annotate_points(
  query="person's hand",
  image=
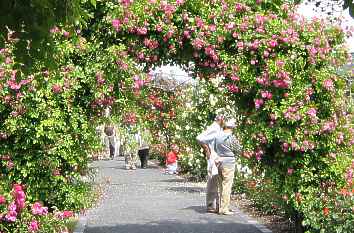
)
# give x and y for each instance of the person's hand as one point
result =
(217, 160)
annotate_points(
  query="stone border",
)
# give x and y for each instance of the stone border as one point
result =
(252, 221)
(81, 224)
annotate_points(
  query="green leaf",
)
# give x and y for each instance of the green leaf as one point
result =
(93, 2)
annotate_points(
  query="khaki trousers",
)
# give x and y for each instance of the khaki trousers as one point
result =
(225, 181)
(212, 200)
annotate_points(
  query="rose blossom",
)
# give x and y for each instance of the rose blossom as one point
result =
(116, 24)
(142, 31)
(273, 43)
(312, 112)
(56, 88)
(38, 209)
(235, 78)
(266, 95)
(290, 171)
(33, 226)
(11, 216)
(179, 2)
(258, 103)
(328, 84)
(2, 200)
(233, 88)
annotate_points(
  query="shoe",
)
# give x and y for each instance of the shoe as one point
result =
(133, 168)
(213, 211)
(226, 213)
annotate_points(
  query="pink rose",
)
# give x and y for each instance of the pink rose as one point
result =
(312, 112)
(235, 78)
(99, 78)
(38, 209)
(212, 27)
(33, 226)
(233, 88)
(328, 84)
(116, 24)
(142, 31)
(187, 34)
(158, 28)
(10, 164)
(273, 43)
(56, 88)
(2, 200)
(290, 171)
(280, 63)
(266, 95)
(258, 103)
(11, 216)
(66, 34)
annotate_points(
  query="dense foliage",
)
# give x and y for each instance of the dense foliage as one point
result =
(272, 69)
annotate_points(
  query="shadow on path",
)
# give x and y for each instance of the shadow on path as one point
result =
(174, 226)
(148, 201)
(186, 189)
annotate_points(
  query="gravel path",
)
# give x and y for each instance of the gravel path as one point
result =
(148, 201)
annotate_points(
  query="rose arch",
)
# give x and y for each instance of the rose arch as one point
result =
(278, 70)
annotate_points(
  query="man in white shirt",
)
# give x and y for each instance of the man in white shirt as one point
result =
(207, 140)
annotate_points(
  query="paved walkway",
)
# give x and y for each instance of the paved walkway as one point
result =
(148, 201)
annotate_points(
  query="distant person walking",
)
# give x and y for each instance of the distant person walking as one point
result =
(226, 147)
(143, 151)
(110, 140)
(207, 140)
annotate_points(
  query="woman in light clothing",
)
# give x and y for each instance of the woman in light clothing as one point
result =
(226, 147)
(207, 140)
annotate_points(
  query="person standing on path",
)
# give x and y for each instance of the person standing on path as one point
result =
(207, 140)
(110, 140)
(226, 147)
(143, 151)
(131, 154)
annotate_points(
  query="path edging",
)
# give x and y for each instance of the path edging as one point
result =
(254, 222)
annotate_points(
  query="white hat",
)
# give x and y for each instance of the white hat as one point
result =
(230, 123)
(219, 117)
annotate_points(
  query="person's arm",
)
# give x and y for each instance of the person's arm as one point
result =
(236, 146)
(205, 139)
(206, 150)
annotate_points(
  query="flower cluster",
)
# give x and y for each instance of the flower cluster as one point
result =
(17, 214)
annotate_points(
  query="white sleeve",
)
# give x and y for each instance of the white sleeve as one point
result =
(207, 136)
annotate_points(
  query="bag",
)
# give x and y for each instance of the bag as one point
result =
(212, 168)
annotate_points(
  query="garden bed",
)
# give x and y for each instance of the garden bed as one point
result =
(275, 221)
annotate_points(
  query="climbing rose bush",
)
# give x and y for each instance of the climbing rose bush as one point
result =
(280, 72)
(19, 215)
